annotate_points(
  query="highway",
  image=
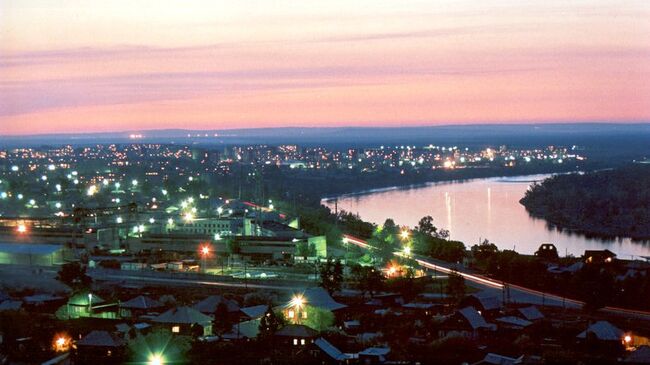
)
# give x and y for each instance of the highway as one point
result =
(514, 293)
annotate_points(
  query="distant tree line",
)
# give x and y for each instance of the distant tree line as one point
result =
(611, 203)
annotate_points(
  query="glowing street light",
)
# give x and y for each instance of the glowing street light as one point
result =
(297, 301)
(156, 359)
(22, 228)
(407, 250)
(404, 234)
(61, 343)
(119, 220)
(188, 217)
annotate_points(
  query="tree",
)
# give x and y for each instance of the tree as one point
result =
(426, 227)
(455, 286)
(367, 279)
(331, 275)
(74, 275)
(222, 322)
(269, 324)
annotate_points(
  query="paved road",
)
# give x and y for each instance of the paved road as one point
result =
(131, 277)
(514, 293)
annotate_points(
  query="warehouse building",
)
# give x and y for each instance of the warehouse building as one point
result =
(31, 254)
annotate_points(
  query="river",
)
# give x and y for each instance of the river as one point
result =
(479, 209)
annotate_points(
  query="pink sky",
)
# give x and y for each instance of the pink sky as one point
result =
(66, 66)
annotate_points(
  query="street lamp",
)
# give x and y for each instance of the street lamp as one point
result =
(156, 359)
(296, 303)
(205, 252)
(404, 234)
(407, 250)
(22, 228)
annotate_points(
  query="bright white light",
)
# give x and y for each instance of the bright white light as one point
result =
(164, 192)
(44, 178)
(220, 210)
(58, 205)
(22, 228)
(188, 217)
(76, 181)
(118, 200)
(3, 195)
(92, 189)
(117, 185)
(20, 196)
(217, 237)
(74, 173)
(105, 182)
(190, 199)
(134, 182)
(32, 201)
(297, 301)
(152, 220)
(170, 221)
(58, 187)
(193, 209)
(190, 178)
(51, 167)
(14, 168)
(119, 220)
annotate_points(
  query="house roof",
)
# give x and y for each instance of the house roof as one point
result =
(531, 313)
(83, 299)
(10, 305)
(474, 318)
(40, 298)
(29, 248)
(497, 359)
(296, 330)
(255, 311)
(183, 315)
(640, 356)
(100, 339)
(319, 297)
(603, 331)
(514, 321)
(210, 304)
(246, 329)
(330, 350)
(141, 302)
(375, 351)
(488, 300)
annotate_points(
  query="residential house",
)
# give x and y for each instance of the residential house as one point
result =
(185, 321)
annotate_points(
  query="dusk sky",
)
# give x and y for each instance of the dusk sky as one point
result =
(69, 66)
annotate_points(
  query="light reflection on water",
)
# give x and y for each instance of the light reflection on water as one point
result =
(479, 209)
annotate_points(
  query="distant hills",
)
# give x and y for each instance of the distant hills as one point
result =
(604, 135)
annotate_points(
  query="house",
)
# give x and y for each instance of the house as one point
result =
(138, 306)
(254, 312)
(100, 347)
(209, 305)
(329, 354)
(467, 322)
(87, 304)
(43, 303)
(513, 323)
(184, 321)
(296, 335)
(485, 302)
(320, 298)
(10, 305)
(246, 330)
(496, 359)
(374, 355)
(602, 336)
(599, 256)
(530, 313)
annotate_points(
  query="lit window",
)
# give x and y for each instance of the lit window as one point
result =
(295, 341)
(304, 315)
(291, 313)
(176, 329)
(302, 341)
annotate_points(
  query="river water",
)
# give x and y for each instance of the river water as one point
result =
(478, 209)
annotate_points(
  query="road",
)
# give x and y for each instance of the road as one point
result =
(514, 293)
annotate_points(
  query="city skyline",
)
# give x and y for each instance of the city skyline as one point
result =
(122, 66)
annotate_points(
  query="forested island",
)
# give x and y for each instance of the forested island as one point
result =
(612, 203)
